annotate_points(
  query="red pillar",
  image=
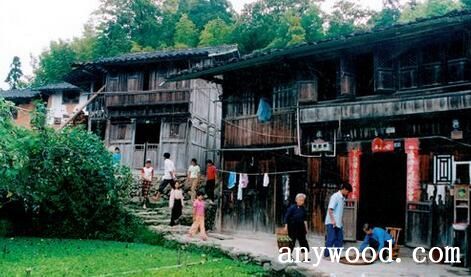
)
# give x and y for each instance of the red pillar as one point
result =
(411, 146)
(354, 155)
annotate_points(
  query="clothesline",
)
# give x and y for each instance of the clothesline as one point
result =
(261, 174)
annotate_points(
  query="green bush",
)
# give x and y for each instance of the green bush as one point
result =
(66, 180)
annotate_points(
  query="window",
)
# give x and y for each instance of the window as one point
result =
(119, 132)
(408, 70)
(384, 71)
(174, 130)
(432, 67)
(284, 97)
(57, 120)
(71, 97)
(307, 91)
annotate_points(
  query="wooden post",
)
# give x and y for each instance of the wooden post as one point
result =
(133, 142)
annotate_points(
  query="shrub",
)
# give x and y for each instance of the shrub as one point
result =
(66, 180)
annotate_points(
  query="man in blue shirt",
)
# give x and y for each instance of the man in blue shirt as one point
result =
(334, 218)
(375, 238)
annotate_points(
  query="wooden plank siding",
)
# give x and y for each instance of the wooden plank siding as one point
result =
(393, 106)
(248, 130)
(159, 97)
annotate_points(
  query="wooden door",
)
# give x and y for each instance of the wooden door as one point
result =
(350, 220)
(419, 218)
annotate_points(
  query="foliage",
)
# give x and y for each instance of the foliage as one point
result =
(414, 10)
(54, 63)
(122, 26)
(15, 74)
(54, 257)
(347, 17)
(186, 34)
(215, 32)
(66, 180)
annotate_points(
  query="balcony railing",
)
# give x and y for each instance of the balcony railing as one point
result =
(146, 98)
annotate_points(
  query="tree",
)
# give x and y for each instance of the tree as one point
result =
(312, 23)
(388, 16)
(215, 32)
(347, 17)
(15, 74)
(203, 11)
(289, 32)
(54, 63)
(186, 34)
(414, 10)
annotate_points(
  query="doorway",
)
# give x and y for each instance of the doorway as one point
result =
(382, 191)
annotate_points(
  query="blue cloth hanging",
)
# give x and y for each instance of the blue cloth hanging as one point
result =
(231, 180)
(264, 110)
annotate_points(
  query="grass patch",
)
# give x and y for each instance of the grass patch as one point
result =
(61, 257)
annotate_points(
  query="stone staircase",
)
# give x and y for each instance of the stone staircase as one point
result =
(157, 216)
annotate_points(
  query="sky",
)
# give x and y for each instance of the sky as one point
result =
(28, 26)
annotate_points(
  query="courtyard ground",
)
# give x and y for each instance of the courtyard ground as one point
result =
(54, 257)
(262, 248)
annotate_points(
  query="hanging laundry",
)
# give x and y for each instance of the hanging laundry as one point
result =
(264, 110)
(266, 180)
(239, 192)
(285, 182)
(441, 191)
(232, 180)
(430, 191)
(243, 180)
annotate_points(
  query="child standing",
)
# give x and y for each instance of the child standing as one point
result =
(198, 216)
(176, 203)
(147, 174)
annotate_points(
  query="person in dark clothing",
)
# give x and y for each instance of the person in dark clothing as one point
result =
(296, 224)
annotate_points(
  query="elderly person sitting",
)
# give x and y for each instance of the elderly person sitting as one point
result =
(295, 222)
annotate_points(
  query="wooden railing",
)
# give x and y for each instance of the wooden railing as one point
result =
(139, 98)
(249, 131)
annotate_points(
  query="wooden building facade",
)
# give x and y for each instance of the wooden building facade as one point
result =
(388, 111)
(145, 116)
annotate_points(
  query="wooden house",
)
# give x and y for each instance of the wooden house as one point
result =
(63, 100)
(388, 111)
(144, 115)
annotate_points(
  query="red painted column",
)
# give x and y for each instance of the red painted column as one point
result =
(354, 155)
(411, 146)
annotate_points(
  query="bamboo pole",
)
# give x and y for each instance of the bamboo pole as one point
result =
(83, 106)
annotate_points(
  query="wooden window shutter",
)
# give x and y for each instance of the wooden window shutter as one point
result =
(308, 91)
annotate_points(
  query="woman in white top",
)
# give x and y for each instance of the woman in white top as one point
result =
(176, 203)
(193, 177)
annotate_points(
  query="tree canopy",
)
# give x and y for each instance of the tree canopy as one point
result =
(122, 26)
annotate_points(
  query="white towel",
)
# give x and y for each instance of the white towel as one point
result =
(239, 192)
(441, 191)
(430, 190)
(266, 180)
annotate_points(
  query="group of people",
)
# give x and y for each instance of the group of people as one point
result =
(296, 224)
(176, 198)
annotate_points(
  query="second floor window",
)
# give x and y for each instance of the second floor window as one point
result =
(71, 97)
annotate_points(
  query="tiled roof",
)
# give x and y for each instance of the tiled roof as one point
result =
(167, 54)
(58, 86)
(18, 94)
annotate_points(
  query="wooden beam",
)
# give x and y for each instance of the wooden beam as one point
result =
(83, 106)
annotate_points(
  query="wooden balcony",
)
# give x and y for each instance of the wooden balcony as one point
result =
(249, 131)
(146, 98)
